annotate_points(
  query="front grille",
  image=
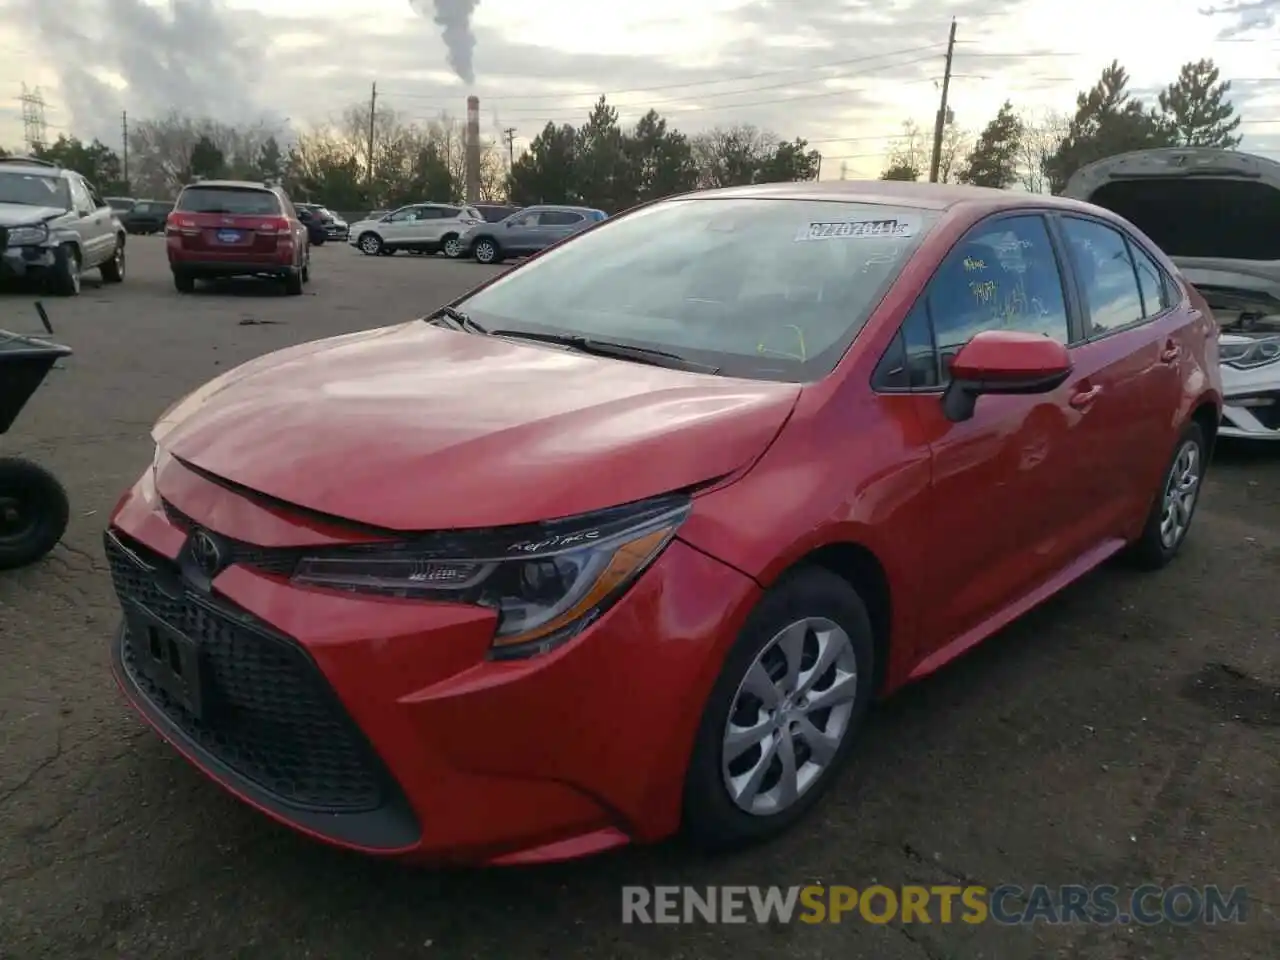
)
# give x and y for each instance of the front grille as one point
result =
(278, 560)
(267, 711)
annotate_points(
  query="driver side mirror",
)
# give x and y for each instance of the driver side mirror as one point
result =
(1003, 362)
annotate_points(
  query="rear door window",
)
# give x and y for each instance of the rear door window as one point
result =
(1106, 273)
(1151, 281)
(560, 218)
(229, 200)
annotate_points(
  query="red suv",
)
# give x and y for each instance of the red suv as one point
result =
(628, 539)
(232, 228)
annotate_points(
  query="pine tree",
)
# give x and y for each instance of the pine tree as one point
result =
(1195, 108)
(993, 162)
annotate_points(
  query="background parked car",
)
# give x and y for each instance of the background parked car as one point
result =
(146, 216)
(527, 231)
(314, 223)
(496, 212)
(334, 227)
(120, 205)
(420, 227)
(56, 226)
(236, 228)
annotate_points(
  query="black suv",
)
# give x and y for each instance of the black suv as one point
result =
(146, 216)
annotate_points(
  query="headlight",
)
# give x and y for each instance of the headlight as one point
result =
(1246, 356)
(19, 236)
(546, 582)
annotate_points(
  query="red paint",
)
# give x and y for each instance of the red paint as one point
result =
(584, 748)
(1008, 356)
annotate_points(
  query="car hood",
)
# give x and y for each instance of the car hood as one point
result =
(415, 427)
(22, 214)
(1201, 206)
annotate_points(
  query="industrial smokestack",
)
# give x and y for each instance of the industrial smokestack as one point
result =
(473, 149)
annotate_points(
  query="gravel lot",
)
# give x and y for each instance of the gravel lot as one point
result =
(1124, 733)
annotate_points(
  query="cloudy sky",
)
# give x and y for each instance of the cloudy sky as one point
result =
(843, 74)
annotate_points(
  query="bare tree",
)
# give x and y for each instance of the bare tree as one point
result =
(954, 139)
(1042, 135)
(910, 153)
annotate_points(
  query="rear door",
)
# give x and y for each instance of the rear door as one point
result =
(227, 222)
(1130, 358)
(555, 225)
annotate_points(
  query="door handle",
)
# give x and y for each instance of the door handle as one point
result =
(1170, 354)
(1083, 398)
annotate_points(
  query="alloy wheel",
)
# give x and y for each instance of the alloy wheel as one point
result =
(370, 244)
(485, 252)
(1181, 489)
(119, 258)
(453, 248)
(789, 716)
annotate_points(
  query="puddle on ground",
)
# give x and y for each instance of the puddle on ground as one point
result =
(1234, 695)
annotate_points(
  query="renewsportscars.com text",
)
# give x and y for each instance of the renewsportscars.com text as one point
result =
(1008, 904)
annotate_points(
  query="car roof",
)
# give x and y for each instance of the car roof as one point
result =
(229, 185)
(560, 206)
(927, 196)
(31, 168)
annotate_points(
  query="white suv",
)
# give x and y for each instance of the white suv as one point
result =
(420, 227)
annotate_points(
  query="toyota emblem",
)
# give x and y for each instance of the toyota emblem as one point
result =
(206, 553)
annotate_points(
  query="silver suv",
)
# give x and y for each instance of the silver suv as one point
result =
(55, 226)
(527, 231)
(420, 227)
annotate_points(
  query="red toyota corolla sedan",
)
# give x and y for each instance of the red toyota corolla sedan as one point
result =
(626, 540)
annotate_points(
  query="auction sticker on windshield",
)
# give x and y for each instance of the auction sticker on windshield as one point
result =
(892, 228)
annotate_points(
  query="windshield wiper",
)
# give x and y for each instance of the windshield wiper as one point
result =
(608, 348)
(458, 319)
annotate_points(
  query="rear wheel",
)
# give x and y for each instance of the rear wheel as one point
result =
(370, 244)
(66, 271)
(33, 513)
(293, 282)
(113, 270)
(1175, 504)
(184, 282)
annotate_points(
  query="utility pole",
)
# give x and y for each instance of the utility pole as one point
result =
(124, 139)
(939, 127)
(373, 108)
(510, 135)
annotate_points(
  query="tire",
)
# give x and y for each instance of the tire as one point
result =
(33, 513)
(451, 245)
(370, 244)
(306, 268)
(66, 271)
(184, 282)
(486, 250)
(804, 601)
(293, 282)
(113, 270)
(1174, 505)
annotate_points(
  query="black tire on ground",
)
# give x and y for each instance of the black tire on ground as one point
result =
(1153, 550)
(293, 282)
(370, 244)
(712, 821)
(184, 282)
(486, 250)
(113, 270)
(65, 281)
(33, 512)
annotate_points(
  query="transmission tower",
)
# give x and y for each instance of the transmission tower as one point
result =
(34, 129)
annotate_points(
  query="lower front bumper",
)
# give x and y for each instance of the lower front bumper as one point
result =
(497, 762)
(20, 262)
(1258, 419)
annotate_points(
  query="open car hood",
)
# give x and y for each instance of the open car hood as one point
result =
(1215, 212)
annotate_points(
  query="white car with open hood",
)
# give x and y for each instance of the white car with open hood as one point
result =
(1216, 213)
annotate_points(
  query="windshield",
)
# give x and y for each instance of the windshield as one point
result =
(236, 201)
(764, 288)
(33, 190)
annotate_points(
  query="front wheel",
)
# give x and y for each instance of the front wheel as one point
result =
(487, 251)
(66, 271)
(370, 244)
(1175, 504)
(783, 713)
(113, 270)
(452, 246)
(33, 513)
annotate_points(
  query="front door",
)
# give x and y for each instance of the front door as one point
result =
(521, 233)
(400, 226)
(1006, 482)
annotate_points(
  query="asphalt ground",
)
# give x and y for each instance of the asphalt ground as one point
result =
(1126, 732)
